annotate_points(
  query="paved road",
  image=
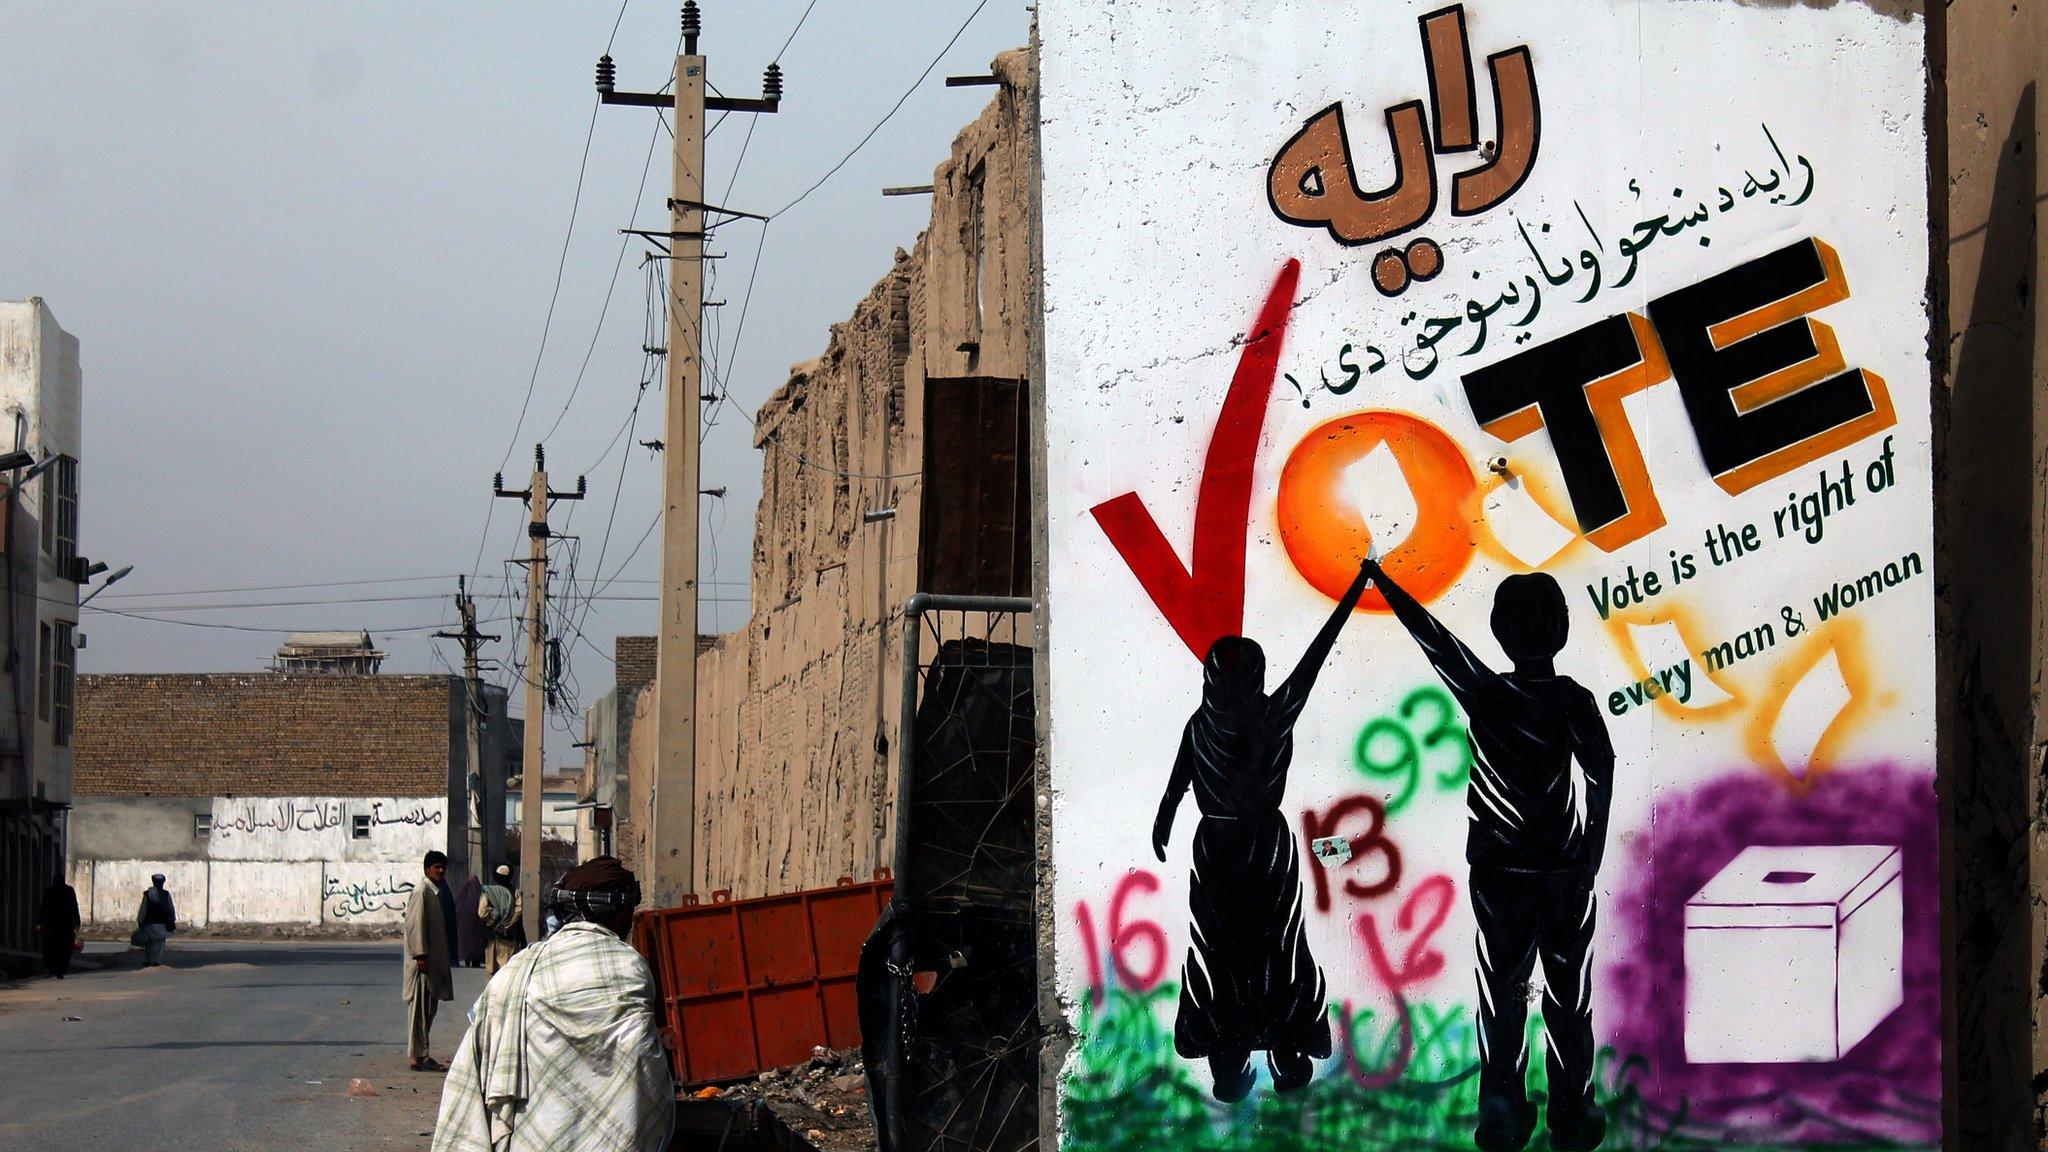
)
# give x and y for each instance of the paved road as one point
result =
(231, 1046)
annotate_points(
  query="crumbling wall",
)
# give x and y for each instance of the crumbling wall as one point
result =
(797, 713)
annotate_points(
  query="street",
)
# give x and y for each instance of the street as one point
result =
(229, 1046)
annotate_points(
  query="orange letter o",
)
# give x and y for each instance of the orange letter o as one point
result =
(1326, 536)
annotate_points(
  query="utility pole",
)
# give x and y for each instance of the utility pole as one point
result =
(537, 497)
(478, 862)
(671, 836)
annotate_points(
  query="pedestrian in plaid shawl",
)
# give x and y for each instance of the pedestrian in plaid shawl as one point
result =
(562, 1053)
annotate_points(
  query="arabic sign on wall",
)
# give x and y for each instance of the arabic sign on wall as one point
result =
(354, 828)
(1489, 502)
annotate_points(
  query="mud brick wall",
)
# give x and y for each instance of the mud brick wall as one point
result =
(797, 713)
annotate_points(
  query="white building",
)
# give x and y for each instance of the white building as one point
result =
(40, 392)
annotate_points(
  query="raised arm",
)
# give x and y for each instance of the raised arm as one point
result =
(1176, 787)
(1595, 754)
(1294, 690)
(1461, 671)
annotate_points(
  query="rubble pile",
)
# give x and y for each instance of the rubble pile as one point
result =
(824, 1100)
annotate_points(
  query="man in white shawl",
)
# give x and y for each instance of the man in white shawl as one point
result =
(562, 1054)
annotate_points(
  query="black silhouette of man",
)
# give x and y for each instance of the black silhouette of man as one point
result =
(1533, 851)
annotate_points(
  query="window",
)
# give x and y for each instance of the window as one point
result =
(64, 662)
(66, 470)
(60, 510)
(202, 825)
(43, 674)
(360, 828)
(976, 537)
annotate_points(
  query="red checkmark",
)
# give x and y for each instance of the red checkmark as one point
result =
(1205, 600)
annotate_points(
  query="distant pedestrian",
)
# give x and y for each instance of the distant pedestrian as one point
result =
(503, 914)
(562, 1052)
(57, 927)
(155, 921)
(429, 919)
(469, 928)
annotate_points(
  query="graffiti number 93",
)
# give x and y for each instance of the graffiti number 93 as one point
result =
(1428, 727)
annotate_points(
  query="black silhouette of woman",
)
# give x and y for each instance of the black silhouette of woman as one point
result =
(1249, 983)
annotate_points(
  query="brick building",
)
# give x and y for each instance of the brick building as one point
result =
(272, 799)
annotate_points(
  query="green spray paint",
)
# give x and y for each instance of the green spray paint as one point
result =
(1126, 1091)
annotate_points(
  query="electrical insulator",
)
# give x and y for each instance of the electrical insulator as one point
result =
(691, 26)
(771, 82)
(607, 74)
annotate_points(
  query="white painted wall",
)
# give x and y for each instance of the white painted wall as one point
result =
(1160, 119)
(323, 828)
(110, 891)
(285, 861)
(41, 382)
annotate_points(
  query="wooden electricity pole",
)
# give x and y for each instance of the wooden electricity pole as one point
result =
(671, 835)
(537, 497)
(477, 864)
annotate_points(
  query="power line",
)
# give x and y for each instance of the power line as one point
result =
(333, 601)
(777, 58)
(625, 241)
(893, 109)
(248, 627)
(554, 295)
(283, 587)
(616, 21)
(345, 584)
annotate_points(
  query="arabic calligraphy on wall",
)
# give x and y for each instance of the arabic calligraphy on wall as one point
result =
(1312, 180)
(312, 828)
(376, 896)
(1419, 350)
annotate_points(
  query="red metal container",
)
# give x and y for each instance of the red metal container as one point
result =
(748, 985)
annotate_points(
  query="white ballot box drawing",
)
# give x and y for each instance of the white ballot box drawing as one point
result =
(1793, 954)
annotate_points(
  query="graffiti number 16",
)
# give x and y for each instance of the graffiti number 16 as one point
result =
(1393, 749)
(1123, 936)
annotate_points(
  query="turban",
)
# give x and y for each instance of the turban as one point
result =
(600, 886)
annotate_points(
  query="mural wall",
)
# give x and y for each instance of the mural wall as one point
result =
(1489, 575)
(307, 861)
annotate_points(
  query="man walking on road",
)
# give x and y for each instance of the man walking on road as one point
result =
(429, 924)
(562, 1052)
(502, 911)
(155, 921)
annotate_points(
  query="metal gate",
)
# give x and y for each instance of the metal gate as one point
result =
(949, 981)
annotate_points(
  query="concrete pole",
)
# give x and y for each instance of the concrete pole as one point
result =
(473, 762)
(530, 811)
(671, 841)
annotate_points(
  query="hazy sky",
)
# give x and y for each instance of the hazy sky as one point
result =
(308, 251)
